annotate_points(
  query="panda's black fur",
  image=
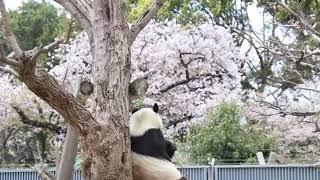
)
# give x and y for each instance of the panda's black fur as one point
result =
(149, 147)
(153, 143)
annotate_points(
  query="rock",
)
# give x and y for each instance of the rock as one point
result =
(275, 158)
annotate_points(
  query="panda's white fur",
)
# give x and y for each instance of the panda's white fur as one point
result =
(150, 168)
(147, 167)
(143, 120)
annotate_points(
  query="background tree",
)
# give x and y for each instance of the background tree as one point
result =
(224, 137)
(35, 23)
(30, 128)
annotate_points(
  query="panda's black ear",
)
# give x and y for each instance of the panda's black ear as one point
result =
(155, 107)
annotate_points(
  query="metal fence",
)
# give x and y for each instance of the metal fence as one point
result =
(230, 172)
(274, 172)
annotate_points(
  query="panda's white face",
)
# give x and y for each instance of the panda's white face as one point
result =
(143, 120)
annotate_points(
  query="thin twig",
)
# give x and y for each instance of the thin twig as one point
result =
(70, 29)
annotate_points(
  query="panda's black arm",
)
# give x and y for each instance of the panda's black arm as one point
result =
(171, 148)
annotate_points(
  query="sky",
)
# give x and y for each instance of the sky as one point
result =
(13, 4)
(253, 12)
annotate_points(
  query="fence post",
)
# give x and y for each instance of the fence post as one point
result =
(216, 175)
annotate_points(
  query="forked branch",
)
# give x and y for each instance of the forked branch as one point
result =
(40, 124)
(43, 84)
(81, 10)
(307, 26)
(46, 48)
(10, 71)
(6, 60)
(145, 18)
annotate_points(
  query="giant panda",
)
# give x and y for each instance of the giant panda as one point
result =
(151, 152)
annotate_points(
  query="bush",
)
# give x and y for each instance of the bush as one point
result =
(222, 136)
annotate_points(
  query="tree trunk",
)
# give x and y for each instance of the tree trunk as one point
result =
(104, 132)
(110, 156)
(66, 167)
(70, 148)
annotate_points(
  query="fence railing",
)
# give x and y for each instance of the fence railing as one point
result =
(225, 172)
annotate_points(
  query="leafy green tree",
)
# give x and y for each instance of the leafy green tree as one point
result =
(189, 11)
(222, 136)
(35, 23)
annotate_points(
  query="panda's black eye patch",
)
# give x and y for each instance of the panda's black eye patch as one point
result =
(155, 107)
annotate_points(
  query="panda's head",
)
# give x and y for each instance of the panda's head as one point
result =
(144, 120)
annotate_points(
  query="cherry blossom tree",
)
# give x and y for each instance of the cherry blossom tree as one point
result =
(30, 127)
(187, 70)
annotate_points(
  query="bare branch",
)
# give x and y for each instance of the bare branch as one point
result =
(281, 110)
(10, 71)
(7, 32)
(53, 44)
(46, 48)
(47, 88)
(10, 62)
(298, 59)
(35, 123)
(178, 83)
(301, 114)
(81, 10)
(294, 85)
(288, 113)
(70, 29)
(307, 26)
(6, 60)
(145, 18)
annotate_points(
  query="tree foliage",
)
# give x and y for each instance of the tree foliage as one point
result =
(223, 136)
(35, 23)
(185, 11)
(38, 23)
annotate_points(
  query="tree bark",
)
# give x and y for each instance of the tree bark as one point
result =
(110, 155)
(66, 167)
(70, 148)
(105, 132)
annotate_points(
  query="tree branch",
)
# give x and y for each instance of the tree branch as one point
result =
(301, 114)
(145, 18)
(311, 30)
(34, 123)
(6, 60)
(46, 48)
(178, 83)
(70, 147)
(47, 88)
(7, 32)
(81, 11)
(70, 29)
(10, 71)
